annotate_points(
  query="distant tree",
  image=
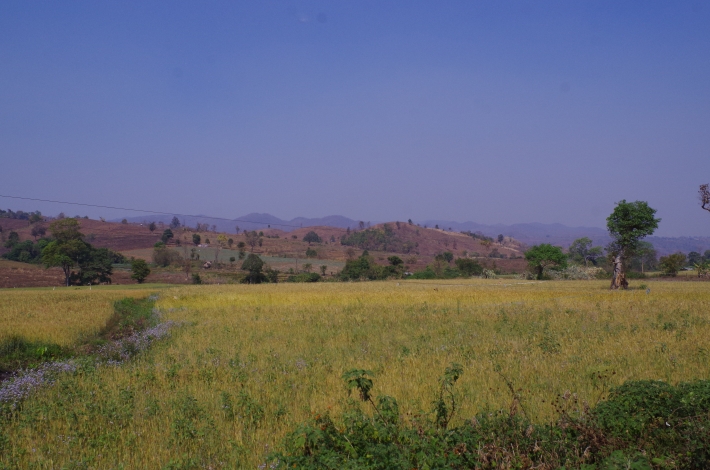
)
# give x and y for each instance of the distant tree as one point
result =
(671, 264)
(694, 257)
(36, 217)
(581, 251)
(253, 264)
(312, 237)
(500, 239)
(704, 194)
(311, 253)
(308, 267)
(628, 224)
(706, 255)
(139, 270)
(448, 256)
(323, 268)
(124, 221)
(644, 257)
(398, 225)
(230, 242)
(361, 224)
(545, 255)
(332, 239)
(395, 261)
(207, 241)
(350, 253)
(61, 216)
(196, 239)
(237, 229)
(151, 227)
(222, 239)
(167, 235)
(163, 256)
(252, 239)
(436, 226)
(409, 221)
(469, 267)
(175, 223)
(232, 259)
(12, 240)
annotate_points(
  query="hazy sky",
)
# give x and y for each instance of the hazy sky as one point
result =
(495, 112)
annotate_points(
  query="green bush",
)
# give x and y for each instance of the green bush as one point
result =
(642, 425)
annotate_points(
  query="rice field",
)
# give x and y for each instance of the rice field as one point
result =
(62, 315)
(249, 363)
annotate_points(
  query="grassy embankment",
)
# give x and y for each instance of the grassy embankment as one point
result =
(252, 362)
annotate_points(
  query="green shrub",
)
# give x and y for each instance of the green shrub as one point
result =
(643, 425)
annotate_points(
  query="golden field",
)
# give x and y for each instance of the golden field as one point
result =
(62, 315)
(249, 363)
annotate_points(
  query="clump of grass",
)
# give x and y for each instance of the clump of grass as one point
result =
(18, 353)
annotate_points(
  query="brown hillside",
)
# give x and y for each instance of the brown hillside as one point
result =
(417, 246)
(118, 237)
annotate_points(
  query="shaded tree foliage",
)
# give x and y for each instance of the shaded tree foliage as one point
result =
(543, 256)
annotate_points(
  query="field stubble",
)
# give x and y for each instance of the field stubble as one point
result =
(251, 362)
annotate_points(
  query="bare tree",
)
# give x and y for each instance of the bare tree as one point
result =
(252, 239)
(704, 194)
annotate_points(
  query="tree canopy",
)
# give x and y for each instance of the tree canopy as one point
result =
(543, 256)
(628, 224)
(139, 270)
(312, 237)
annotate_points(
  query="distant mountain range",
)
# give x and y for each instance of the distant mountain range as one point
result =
(253, 221)
(530, 234)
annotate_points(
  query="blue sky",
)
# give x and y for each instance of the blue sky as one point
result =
(495, 112)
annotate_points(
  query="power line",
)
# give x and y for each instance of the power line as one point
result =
(143, 210)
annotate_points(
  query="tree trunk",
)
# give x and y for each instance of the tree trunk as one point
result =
(618, 278)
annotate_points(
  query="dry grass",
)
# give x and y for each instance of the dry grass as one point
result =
(286, 347)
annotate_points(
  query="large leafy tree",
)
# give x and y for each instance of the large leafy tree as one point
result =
(543, 256)
(582, 251)
(628, 224)
(95, 266)
(67, 248)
